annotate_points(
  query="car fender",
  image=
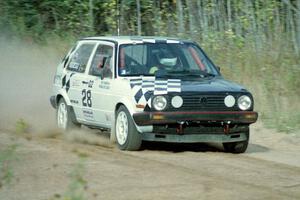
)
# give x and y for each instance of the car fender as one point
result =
(128, 104)
(131, 108)
(64, 94)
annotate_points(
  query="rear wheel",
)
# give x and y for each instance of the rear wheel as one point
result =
(128, 138)
(63, 116)
(237, 147)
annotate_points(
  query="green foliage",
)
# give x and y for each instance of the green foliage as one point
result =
(78, 184)
(21, 126)
(272, 77)
(7, 156)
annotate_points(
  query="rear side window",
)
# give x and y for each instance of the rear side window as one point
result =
(80, 58)
(102, 53)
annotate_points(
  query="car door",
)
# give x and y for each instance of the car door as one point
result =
(75, 79)
(99, 79)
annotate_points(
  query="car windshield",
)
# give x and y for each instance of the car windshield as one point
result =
(164, 59)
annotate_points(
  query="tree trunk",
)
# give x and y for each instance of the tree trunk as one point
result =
(237, 22)
(229, 15)
(157, 17)
(255, 34)
(214, 15)
(298, 24)
(138, 9)
(292, 28)
(191, 18)
(57, 26)
(201, 20)
(91, 15)
(180, 26)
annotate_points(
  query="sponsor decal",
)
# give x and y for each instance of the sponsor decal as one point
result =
(104, 85)
(74, 101)
(74, 66)
(75, 83)
(88, 114)
(90, 84)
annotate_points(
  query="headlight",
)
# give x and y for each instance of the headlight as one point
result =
(229, 101)
(244, 102)
(177, 101)
(159, 103)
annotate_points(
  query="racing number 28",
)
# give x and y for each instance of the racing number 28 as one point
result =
(86, 98)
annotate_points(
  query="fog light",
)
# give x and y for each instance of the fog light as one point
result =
(158, 117)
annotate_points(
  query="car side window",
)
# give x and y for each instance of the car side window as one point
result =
(80, 58)
(102, 61)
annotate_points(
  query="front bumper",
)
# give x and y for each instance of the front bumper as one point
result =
(233, 117)
(195, 138)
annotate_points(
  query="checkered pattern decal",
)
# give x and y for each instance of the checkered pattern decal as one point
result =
(146, 86)
(65, 81)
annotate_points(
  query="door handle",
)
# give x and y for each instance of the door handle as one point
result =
(85, 82)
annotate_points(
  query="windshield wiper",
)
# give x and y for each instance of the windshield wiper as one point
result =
(192, 73)
(136, 74)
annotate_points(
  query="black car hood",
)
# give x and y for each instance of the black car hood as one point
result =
(216, 84)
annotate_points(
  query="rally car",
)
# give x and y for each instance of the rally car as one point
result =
(150, 89)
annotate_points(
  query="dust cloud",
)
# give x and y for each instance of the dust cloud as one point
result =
(26, 78)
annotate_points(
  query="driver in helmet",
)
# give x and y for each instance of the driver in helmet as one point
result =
(162, 62)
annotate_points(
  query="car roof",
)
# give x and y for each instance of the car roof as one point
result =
(137, 39)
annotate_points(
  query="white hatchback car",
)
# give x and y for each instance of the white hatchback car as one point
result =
(152, 89)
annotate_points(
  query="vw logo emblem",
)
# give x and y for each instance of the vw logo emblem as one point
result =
(203, 100)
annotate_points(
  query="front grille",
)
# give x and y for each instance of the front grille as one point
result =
(204, 102)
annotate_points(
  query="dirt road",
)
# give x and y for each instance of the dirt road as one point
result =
(159, 171)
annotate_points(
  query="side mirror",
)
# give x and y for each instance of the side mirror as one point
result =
(102, 73)
(98, 72)
(219, 69)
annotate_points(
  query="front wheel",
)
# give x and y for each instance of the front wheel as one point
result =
(63, 116)
(128, 138)
(237, 147)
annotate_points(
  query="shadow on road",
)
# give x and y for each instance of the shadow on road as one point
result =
(196, 147)
(177, 147)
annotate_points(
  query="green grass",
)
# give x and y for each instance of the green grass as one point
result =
(78, 185)
(21, 126)
(272, 75)
(7, 156)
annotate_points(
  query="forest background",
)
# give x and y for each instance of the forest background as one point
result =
(254, 42)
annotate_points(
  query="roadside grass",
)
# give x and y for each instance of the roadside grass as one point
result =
(271, 75)
(78, 185)
(7, 156)
(21, 126)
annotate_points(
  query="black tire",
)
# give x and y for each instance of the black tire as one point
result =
(69, 116)
(237, 147)
(133, 140)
